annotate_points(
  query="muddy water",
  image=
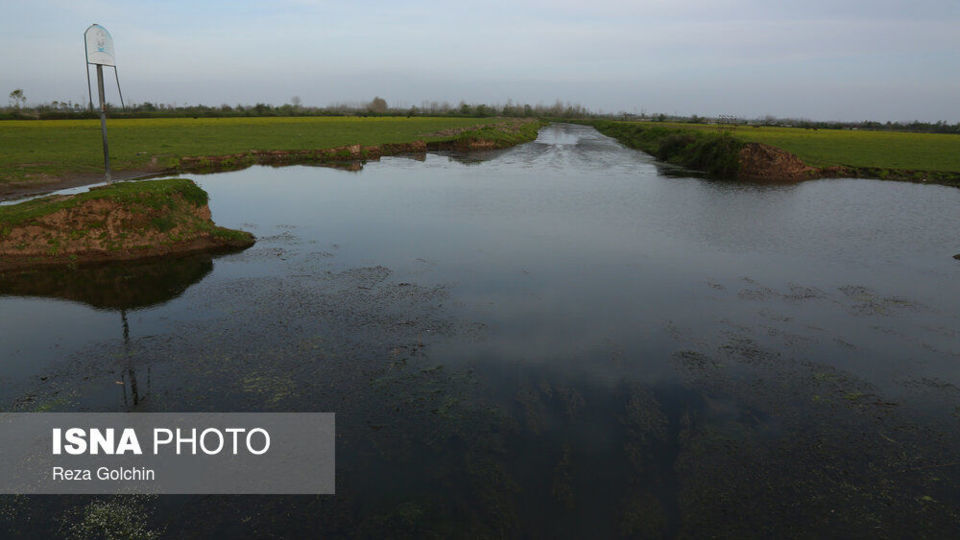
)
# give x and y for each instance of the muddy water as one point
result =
(560, 339)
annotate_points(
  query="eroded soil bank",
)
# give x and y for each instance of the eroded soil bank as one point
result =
(124, 221)
(762, 162)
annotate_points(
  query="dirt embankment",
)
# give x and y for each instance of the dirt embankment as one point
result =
(105, 228)
(762, 162)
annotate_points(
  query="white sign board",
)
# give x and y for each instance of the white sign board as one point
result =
(99, 46)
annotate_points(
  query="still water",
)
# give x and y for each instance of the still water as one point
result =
(565, 338)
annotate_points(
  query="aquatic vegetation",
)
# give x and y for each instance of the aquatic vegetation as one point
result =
(122, 516)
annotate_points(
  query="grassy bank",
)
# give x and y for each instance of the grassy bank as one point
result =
(122, 221)
(717, 155)
(155, 195)
(879, 154)
(852, 148)
(37, 152)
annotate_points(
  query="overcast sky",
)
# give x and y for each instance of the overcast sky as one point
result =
(817, 59)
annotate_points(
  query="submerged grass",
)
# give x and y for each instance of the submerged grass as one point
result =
(35, 151)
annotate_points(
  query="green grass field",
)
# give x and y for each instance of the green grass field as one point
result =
(874, 149)
(38, 150)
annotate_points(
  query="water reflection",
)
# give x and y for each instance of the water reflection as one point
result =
(128, 377)
(113, 286)
(117, 287)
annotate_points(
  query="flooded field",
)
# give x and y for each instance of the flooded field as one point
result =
(562, 339)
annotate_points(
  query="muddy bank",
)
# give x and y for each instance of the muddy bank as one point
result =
(332, 156)
(496, 136)
(125, 221)
(762, 162)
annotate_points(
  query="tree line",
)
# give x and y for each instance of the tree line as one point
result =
(18, 109)
(378, 106)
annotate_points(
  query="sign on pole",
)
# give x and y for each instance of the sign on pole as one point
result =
(99, 44)
(98, 48)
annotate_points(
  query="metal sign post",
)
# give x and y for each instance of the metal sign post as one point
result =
(98, 49)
